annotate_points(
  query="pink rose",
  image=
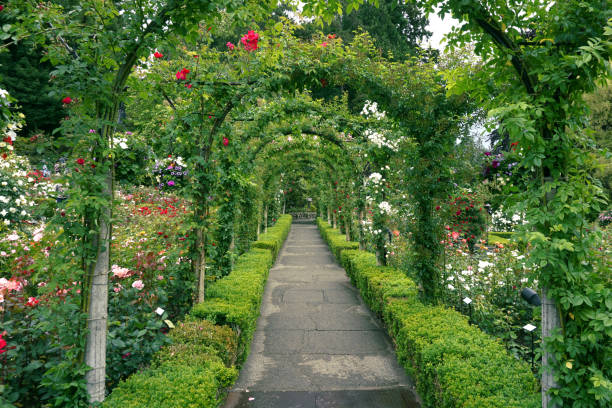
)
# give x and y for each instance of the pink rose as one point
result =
(138, 284)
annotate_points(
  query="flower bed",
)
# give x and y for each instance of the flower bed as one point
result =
(453, 363)
(199, 365)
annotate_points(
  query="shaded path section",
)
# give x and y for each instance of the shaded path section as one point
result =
(317, 344)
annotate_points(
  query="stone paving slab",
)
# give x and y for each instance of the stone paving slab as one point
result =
(316, 343)
(381, 398)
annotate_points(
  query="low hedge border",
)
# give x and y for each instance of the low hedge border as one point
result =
(453, 363)
(199, 365)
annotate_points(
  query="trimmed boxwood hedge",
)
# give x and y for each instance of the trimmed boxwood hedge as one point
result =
(453, 363)
(198, 366)
(336, 240)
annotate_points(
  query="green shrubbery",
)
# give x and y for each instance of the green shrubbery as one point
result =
(275, 236)
(336, 240)
(453, 363)
(188, 373)
(198, 365)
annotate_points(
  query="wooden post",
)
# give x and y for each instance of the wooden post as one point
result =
(95, 347)
(550, 321)
(347, 228)
(266, 218)
(361, 234)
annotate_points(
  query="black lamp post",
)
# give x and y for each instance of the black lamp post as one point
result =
(533, 299)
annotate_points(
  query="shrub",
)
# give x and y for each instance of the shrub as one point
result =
(454, 364)
(275, 236)
(221, 339)
(336, 240)
(193, 371)
(194, 383)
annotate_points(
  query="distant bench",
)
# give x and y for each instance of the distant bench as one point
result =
(304, 215)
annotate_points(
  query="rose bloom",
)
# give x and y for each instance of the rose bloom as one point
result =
(120, 272)
(32, 301)
(250, 40)
(138, 284)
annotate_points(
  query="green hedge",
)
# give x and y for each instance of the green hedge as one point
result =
(275, 236)
(502, 234)
(453, 363)
(336, 240)
(188, 373)
(198, 366)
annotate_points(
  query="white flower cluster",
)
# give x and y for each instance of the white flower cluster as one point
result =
(371, 108)
(369, 229)
(385, 208)
(121, 142)
(18, 190)
(502, 223)
(375, 178)
(380, 140)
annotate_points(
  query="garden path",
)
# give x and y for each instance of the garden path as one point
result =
(317, 344)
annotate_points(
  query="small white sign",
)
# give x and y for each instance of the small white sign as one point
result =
(529, 327)
(467, 300)
(159, 311)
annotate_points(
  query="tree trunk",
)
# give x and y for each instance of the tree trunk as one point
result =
(95, 349)
(329, 218)
(550, 321)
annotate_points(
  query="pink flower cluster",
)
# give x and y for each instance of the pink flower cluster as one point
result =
(119, 272)
(10, 285)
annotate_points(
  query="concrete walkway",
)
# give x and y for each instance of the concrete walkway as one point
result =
(317, 344)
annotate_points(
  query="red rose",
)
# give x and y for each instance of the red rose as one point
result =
(230, 46)
(80, 161)
(225, 141)
(250, 40)
(182, 74)
(32, 301)
(158, 54)
(67, 100)
(437, 207)
(2, 8)
(188, 86)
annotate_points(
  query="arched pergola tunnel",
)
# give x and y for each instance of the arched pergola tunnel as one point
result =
(552, 68)
(413, 96)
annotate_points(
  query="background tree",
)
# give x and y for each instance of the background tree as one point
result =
(600, 104)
